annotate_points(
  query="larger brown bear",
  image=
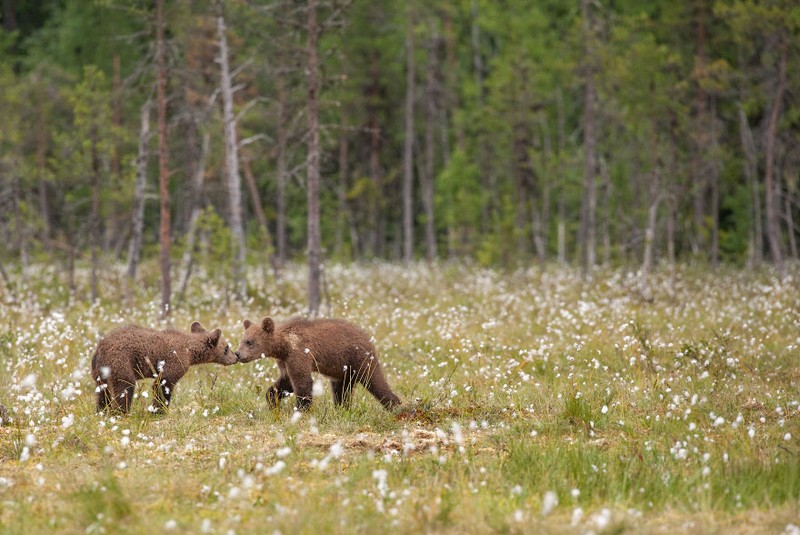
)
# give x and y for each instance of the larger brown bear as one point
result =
(337, 349)
(130, 353)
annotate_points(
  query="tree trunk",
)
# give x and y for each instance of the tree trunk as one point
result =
(408, 148)
(790, 227)
(137, 223)
(163, 167)
(233, 179)
(94, 220)
(195, 210)
(562, 209)
(649, 239)
(41, 167)
(281, 162)
(751, 172)
(589, 204)
(699, 187)
(375, 209)
(427, 177)
(344, 217)
(255, 196)
(314, 238)
(714, 167)
(771, 197)
(606, 210)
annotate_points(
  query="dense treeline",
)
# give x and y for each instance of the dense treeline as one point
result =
(506, 131)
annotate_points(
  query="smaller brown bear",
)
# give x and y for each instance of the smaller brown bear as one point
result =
(337, 349)
(130, 353)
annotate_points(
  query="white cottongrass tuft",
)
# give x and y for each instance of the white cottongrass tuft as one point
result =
(577, 516)
(275, 469)
(549, 502)
(67, 421)
(602, 519)
(380, 477)
(28, 382)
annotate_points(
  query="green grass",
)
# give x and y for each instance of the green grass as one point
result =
(678, 414)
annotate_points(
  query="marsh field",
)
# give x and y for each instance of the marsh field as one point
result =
(534, 401)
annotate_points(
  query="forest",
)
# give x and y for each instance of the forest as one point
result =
(500, 132)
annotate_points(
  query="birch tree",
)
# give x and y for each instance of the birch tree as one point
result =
(233, 179)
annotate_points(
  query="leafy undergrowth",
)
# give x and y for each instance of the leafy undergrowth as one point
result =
(533, 401)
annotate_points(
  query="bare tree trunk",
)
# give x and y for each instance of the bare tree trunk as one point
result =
(375, 209)
(137, 224)
(714, 166)
(589, 204)
(163, 156)
(606, 210)
(94, 220)
(751, 172)
(281, 161)
(490, 206)
(427, 177)
(116, 116)
(234, 181)
(195, 210)
(344, 217)
(260, 217)
(771, 197)
(562, 210)
(790, 230)
(41, 167)
(314, 238)
(699, 159)
(649, 239)
(408, 148)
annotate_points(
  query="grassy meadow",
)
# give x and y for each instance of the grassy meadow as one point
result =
(534, 402)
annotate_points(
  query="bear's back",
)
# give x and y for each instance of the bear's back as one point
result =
(332, 343)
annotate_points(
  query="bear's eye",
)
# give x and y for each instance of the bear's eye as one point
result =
(248, 343)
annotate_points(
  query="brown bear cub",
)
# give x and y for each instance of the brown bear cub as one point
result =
(337, 349)
(130, 353)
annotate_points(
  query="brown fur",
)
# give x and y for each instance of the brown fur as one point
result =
(131, 353)
(337, 349)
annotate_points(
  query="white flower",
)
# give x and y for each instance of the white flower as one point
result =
(604, 410)
(549, 502)
(275, 468)
(67, 421)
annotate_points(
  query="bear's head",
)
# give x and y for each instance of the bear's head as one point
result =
(258, 341)
(214, 347)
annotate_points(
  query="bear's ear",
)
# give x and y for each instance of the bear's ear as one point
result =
(268, 325)
(247, 324)
(197, 328)
(213, 338)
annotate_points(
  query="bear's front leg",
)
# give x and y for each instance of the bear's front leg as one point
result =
(303, 386)
(279, 390)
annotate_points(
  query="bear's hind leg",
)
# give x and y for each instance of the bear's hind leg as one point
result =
(122, 395)
(342, 390)
(162, 394)
(377, 385)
